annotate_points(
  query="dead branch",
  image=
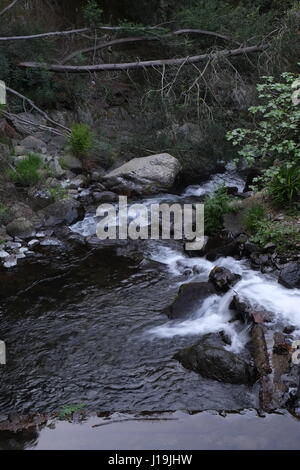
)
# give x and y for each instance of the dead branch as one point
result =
(40, 111)
(45, 35)
(120, 28)
(12, 4)
(115, 42)
(144, 64)
(13, 117)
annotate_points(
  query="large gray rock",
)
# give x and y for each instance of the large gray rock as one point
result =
(71, 163)
(145, 175)
(21, 228)
(20, 209)
(33, 144)
(190, 298)
(290, 276)
(209, 358)
(64, 211)
(223, 279)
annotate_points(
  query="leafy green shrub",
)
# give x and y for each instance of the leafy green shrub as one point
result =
(276, 135)
(284, 187)
(26, 171)
(275, 139)
(253, 217)
(283, 236)
(215, 207)
(81, 140)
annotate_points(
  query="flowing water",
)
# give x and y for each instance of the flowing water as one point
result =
(87, 327)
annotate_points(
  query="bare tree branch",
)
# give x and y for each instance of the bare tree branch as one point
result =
(115, 42)
(12, 117)
(45, 35)
(120, 28)
(8, 7)
(144, 64)
(40, 111)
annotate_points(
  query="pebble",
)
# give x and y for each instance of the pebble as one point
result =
(4, 254)
(10, 262)
(33, 243)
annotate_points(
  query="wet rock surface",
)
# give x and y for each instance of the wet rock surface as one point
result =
(190, 298)
(209, 358)
(223, 279)
(290, 276)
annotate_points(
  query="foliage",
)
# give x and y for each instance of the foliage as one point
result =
(243, 20)
(216, 206)
(284, 187)
(67, 411)
(253, 217)
(81, 140)
(92, 13)
(274, 141)
(283, 236)
(26, 171)
(4, 214)
(58, 192)
(276, 135)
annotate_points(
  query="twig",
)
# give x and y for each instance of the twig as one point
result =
(40, 111)
(8, 7)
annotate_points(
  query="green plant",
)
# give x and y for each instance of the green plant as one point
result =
(215, 207)
(26, 171)
(81, 140)
(242, 19)
(58, 192)
(67, 411)
(284, 187)
(253, 217)
(276, 134)
(92, 14)
(4, 214)
(283, 236)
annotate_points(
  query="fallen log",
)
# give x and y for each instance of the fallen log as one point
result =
(143, 64)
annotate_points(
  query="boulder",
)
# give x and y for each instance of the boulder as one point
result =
(209, 358)
(105, 196)
(20, 209)
(145, 175)
(39, 198)
(33, 144)
(56, 168)
(190, 298)
(21, 227)
(290, 276)
(63, 211)
(223, 279)
(247, 313)
(72, 163)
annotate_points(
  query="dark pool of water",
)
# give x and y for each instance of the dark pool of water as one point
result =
(76, 327)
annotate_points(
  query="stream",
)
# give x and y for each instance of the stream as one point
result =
(87, 327)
